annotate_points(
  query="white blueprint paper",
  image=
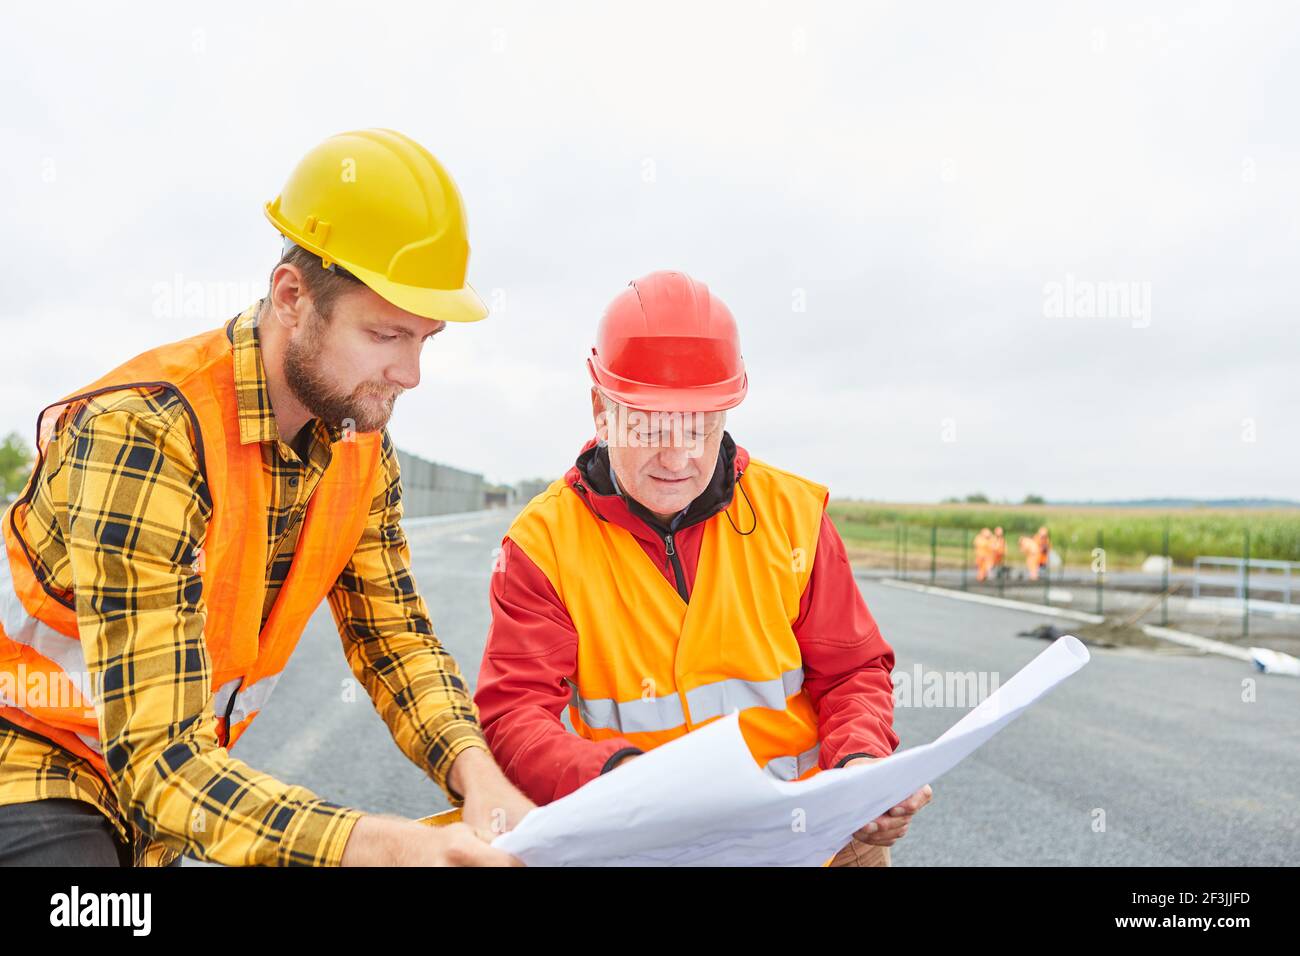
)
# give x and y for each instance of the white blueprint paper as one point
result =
(703, 801)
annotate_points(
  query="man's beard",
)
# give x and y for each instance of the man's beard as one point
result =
(356, 410)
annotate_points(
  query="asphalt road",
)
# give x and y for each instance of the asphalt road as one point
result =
(1185, 771)
(1162, 743)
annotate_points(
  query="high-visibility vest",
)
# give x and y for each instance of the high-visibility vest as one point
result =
(652, 667)
(44, 683)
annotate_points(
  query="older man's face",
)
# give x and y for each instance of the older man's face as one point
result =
(663, 460)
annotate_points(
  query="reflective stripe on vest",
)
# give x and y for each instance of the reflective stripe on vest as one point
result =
(792, 768)
(706, 702)
(247, 702)
(21, 628)
(724, 696)
(644, 715)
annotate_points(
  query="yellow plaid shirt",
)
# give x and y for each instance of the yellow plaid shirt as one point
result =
(120, 506)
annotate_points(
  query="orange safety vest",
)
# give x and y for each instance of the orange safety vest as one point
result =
(651, 667)
(44, 683)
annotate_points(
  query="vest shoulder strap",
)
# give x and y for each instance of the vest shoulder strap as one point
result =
(791, 484)
(534, 528)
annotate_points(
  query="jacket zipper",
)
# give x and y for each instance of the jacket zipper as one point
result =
(678, 573)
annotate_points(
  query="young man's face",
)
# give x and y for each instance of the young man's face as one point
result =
(663, 460)
(350, 369)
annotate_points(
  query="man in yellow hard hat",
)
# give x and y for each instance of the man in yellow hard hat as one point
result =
(192, 508)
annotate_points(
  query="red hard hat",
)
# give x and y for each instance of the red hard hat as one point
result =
(666, 343)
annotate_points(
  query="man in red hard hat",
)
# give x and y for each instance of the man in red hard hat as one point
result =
(669, 578)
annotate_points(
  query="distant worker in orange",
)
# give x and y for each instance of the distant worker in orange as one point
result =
(1029, 548)
(997, 551)
(983, 554)
(1044, 541)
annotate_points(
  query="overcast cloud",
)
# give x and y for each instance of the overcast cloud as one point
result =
(884, 194)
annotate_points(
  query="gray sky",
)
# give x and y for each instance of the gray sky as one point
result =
(922, 216)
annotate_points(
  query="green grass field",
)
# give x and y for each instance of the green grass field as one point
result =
(872, 530)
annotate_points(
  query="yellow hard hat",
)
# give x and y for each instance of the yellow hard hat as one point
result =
(378, 204)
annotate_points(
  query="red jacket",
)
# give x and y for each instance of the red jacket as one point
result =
(532, 645)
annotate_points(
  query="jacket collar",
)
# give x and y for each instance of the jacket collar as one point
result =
(591, 479)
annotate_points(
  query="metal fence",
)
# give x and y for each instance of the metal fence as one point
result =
(1229, 597)
(1239, 575)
